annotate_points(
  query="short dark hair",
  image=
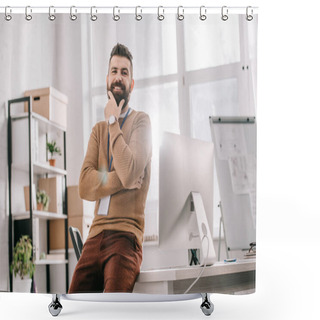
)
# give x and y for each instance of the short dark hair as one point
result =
(122, 51)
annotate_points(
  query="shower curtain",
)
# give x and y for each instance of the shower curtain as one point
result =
(193, 80)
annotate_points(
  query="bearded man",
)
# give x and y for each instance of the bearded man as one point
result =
(116, 175)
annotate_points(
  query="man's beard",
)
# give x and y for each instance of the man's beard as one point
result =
(120, 96)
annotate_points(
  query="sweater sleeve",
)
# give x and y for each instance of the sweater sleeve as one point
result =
(130, 160)
(96, 183)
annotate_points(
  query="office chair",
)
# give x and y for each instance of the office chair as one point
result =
(76, 241)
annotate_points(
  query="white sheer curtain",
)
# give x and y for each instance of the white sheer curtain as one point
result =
(183, 71)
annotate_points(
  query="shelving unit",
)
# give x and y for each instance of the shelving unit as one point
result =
(33, 168)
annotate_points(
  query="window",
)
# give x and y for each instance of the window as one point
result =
(201, 41)
(181, 78)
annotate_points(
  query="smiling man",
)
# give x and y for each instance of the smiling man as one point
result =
(116, 174)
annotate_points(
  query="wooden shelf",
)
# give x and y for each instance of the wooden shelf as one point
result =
(50, 261)
(44, 122)
(59, 251)
(40, 168)
(38, 214)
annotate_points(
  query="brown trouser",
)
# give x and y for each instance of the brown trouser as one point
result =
(110, 262)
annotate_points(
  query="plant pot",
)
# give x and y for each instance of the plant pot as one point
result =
(20, 285)
(40, 206)
(52, 162)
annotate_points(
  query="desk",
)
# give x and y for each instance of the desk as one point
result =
(230, 278)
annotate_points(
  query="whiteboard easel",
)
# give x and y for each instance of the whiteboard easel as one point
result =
(234, 141)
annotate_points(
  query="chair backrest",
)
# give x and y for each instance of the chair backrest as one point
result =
(76, 241)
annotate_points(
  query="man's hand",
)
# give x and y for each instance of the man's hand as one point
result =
(112, 108)
(138, 184)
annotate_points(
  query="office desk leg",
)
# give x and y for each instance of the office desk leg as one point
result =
(206, 305)
(55, 306)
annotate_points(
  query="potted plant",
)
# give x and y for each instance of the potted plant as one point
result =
(53, 148)
(42, 201)
(22, 265)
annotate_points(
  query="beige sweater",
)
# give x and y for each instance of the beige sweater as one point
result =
(131, 148)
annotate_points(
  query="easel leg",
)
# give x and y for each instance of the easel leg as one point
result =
(207, 306)
(224, 232)
(219, 248)
(55, 306)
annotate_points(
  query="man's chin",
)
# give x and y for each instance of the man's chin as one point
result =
(120, 96)
(119, 99)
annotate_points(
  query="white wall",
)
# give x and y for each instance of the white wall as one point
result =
(36, 55)
(3, 200)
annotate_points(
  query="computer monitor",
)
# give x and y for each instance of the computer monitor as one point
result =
(185, 183)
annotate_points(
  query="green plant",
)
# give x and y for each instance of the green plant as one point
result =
(53, 148)
(22, 263)
(42, 197)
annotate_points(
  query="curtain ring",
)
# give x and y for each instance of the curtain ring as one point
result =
(249, 17)
(138, 16)
(180, 16)
(73, 16)
(116, 17)
(7, 16)
(28, 15)
(224, 13)
(160, 16)
(93, 17)
(203, 13)
(52, 17)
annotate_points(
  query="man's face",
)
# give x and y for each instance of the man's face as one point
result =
(119, 79)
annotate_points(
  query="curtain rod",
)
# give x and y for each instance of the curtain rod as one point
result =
(128, 10)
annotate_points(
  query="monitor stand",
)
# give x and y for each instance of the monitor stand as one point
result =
(208, 253)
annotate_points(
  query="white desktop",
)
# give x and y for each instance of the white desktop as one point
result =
(186, 196)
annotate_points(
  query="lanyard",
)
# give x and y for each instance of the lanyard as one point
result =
(124, 119)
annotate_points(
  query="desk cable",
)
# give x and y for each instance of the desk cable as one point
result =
(204, 266)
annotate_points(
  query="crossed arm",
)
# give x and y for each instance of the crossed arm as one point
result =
(96, 183)
(129, 162)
